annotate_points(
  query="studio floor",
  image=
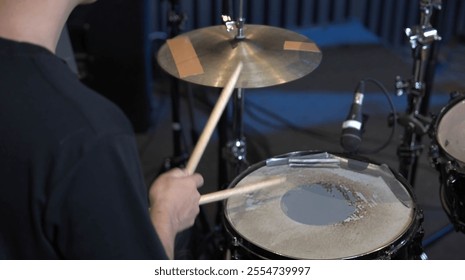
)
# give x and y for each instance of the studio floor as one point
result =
(306, 114)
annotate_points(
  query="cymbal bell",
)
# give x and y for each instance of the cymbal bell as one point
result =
(270, 56)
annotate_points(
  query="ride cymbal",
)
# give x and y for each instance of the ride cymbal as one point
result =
(270, 56)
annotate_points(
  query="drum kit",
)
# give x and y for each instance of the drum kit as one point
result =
(325, 205)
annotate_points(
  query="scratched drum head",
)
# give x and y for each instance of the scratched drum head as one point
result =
(451, 131)
(343, 211)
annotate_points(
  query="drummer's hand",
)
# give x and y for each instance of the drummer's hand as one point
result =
(174, 201)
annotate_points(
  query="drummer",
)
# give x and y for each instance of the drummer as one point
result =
(72, 186)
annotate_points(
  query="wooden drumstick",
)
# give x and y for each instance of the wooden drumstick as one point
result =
(224, 194)
(213, 120)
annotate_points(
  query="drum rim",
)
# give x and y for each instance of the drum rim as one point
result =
(376, 253)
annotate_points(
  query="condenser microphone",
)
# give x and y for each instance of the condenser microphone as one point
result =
(351, 137)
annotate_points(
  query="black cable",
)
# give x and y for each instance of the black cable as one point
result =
(394, 114)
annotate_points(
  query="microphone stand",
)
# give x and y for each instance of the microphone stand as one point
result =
(415, 121)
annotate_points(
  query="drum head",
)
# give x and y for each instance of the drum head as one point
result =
(451, 131)
(335, 212)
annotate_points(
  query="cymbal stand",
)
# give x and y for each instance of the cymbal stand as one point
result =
(188, 245)
(176, 20)
(233, 146)
(414, 120)
(235, 151)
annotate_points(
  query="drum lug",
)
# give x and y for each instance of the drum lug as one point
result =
(451, 179)
(235, 242)
(434, 154)
(451, 170)
(235, 151)
(401, 86)
(456, 94)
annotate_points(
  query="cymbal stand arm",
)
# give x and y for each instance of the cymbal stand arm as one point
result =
(240, 21)
(416, 124)
(238, 24)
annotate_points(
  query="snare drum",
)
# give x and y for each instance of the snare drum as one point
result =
(330, 207)
(448, 154)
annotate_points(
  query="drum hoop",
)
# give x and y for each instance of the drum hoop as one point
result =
(377, 253)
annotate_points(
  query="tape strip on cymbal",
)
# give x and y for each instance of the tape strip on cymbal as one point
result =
(300, 46)
(184, 56)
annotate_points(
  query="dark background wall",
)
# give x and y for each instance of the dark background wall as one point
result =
(113, 52)
(386, 18)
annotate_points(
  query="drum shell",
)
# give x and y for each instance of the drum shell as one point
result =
(406, 246)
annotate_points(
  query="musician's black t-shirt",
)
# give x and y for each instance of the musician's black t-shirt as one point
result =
(71, 185)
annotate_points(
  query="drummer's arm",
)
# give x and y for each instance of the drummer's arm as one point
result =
(174, 201)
